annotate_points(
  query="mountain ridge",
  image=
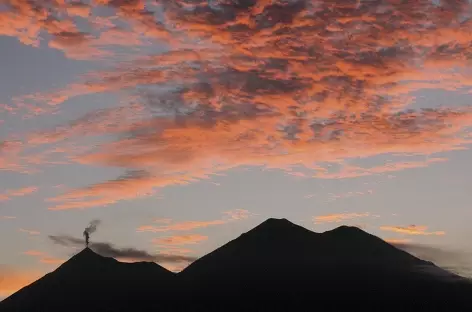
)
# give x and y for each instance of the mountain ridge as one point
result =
(301, 238)
(276, 259)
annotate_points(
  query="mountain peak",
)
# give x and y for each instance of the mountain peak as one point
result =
(87, 254)
(276, 228)
(86, 258)
(346, 229)
(349, 234)
(274, 222)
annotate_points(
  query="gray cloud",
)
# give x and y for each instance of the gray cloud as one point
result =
(109, 250)
(456, 261)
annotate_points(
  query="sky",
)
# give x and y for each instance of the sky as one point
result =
(176, 125)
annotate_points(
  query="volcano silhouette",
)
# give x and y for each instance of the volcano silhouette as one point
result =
(90, 282)
(277, 266)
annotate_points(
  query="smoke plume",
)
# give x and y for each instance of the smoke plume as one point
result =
(92, 227)
(109, 250)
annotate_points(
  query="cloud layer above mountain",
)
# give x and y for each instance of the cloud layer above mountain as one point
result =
(207, 86)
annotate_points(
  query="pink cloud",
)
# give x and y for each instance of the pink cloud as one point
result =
(411, 230)
(234, 215)
(238, 214)
(277, 94)
(180, 226)
(128, 187)
(29, 232)
(22, 191)
(180, 239)
(339, 217)
(8, 194)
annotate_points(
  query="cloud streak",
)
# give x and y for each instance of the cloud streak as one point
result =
(109, 250)
(232, 215)
(178, 240)
(411, 230)
(7, 195)
(180, 226)
(339, 217)
(29, 232)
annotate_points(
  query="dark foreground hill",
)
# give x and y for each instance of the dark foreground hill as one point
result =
(277, 266)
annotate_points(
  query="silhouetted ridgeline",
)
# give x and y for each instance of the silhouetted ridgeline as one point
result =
(277, 266)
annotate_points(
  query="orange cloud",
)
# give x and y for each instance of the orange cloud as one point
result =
(273, 84)
(129, 186)
(43, 257)
(201, 146)
(16, 156)
(411, 230)
(29, 232)
(171, 245)
(238, 214)
(23, 191)
(339, 217)
(28, 21)
(234, 215)
(52, 260)
(12, 280)
(9, 156)
(33, 253)
(78, 9)
(60, 20)
(180, 239)
(180, 226)
(173, 250)
(17, 193)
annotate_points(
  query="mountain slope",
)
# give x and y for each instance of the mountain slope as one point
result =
(277, 266)
(90, 282)
(275, 242)
(284, 265)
